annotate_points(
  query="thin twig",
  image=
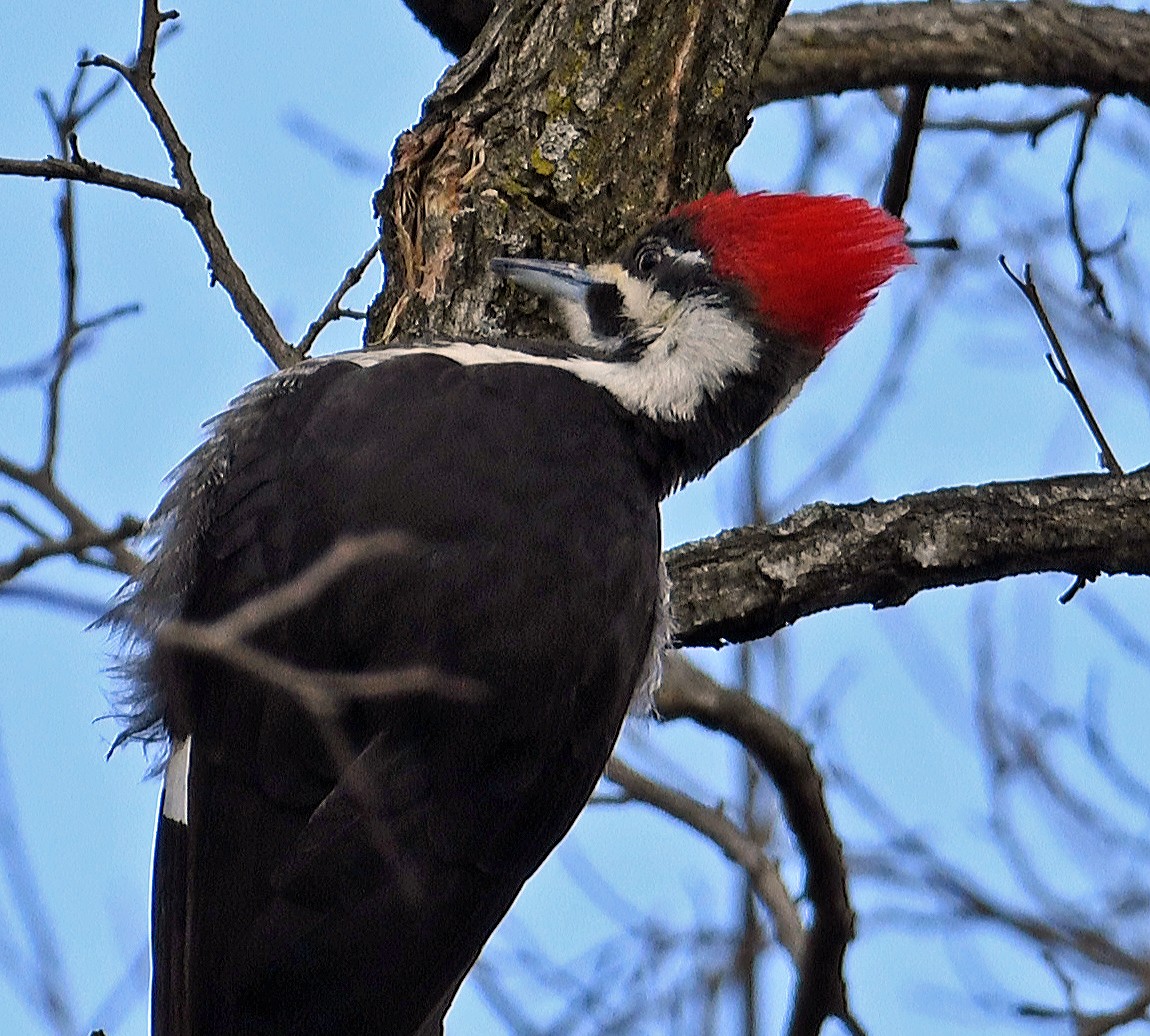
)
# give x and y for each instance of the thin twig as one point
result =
(786, 758)
(345, 555)
(896, 190)
(1100, 1024)
(83, 533)
(70, 331)
(27, 524)
(1089, 280)
(86, 171)
(1061, 367)
(942, 244)
(75, 545)
(913, 863)
(72, 113)
(37, 370)
(322, 694)
(80, 524)
(333, 310)
(1033, 127)
(712, 823)
(190, 197)
(88, 608)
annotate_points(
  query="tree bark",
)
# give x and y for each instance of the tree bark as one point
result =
(564, 130)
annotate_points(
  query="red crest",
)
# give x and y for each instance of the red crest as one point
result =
(812, 264)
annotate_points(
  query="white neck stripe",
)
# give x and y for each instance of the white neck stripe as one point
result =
(691, 360)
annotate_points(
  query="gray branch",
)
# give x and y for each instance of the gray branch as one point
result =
(785, 758)
(966, 45)
(740, 848)
(750, 582)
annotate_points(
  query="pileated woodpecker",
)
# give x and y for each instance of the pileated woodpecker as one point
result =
(344, 823)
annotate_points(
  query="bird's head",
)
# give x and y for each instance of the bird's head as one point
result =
(715, 315)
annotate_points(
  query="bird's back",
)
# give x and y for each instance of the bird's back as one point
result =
(340, 876)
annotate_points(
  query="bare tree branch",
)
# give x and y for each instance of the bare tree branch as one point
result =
(965, 45)
(896, 190)
(786, 759)
(83, 170)
(747, 583)
(322, 693)
(712, 823)
(83, 533)
(1033, 127)
(186, 195)
(190, 197)
(869, 45)
(80, 524)
(333, 310)
(1089, 280)
(1062, 369)
(76, 545)
(1138, 1009)
(86, 607)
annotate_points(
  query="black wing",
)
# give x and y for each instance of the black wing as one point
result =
(342, 878)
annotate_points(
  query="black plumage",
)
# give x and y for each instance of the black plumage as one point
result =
(452, 801)
(347, 817)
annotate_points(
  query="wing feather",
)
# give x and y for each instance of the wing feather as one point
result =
(342, 876)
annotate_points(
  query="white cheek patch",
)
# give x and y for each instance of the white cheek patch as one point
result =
(694, 357)
(698, 348)
(175, 795)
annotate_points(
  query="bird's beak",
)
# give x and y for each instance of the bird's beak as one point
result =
(554, 280)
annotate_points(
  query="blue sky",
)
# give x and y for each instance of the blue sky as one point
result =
(976, 403)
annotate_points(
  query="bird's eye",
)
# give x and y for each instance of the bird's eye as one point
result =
(649, 257)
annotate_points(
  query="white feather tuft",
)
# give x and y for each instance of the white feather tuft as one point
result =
(175, 795)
